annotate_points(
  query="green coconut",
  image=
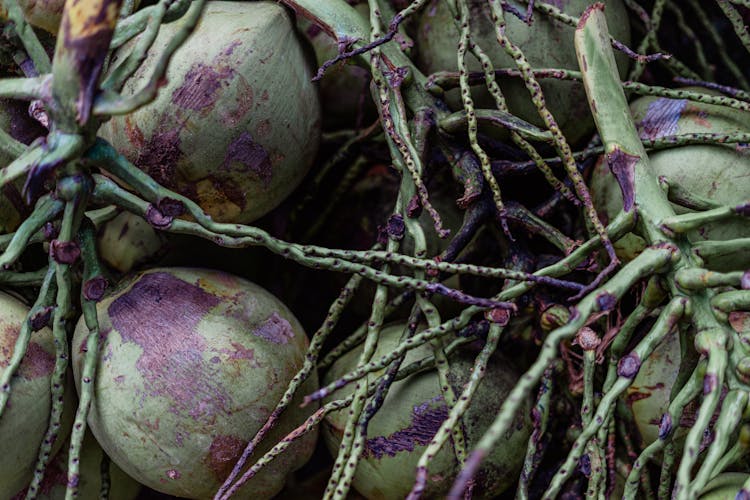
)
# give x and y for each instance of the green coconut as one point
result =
(54, 484)
(546, 44)
(345, 87)
(191, 364)
(649, 394)
(411, 415)
(25, 419)
(128, 241)
(714, 171)
(237, 125)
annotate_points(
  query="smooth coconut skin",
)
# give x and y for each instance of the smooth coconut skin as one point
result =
(128, 241)
(191, 364)
(546, 44)
(54, 484)
(411, 415)
(237, 125)
(713, 171)
(24, 421)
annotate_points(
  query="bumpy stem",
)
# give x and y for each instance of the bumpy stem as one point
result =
(648, 263)
(94, 286)
(627, 369)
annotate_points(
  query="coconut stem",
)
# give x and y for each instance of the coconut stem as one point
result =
(732, 408)
(125, 69)
(738, 24)
(651, 261)
(46, 209)
(540, 415)
(110, 103)
(666, 322)
(91, 272)
(718, 40)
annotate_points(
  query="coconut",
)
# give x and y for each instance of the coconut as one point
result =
(54, 484)
(192, 362)
(649, 394)
(128, 241)
(26, 416)
(546, 44)
(411, 415)
(714, 171)
(237, 125)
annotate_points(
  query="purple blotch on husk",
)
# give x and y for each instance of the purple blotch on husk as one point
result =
(275, 329)
(172, 352)
(244, 150)
(661, 118)
(426, 421)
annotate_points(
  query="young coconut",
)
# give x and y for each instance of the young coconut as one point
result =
(55, 482)
(546, 43)
(191, 364)
(237, 125)
(24, 421)
(128, 241)
(649, 394)
(717, 172)
(411, 415)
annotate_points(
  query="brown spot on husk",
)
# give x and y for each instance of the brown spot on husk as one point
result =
(160, 155)
(36, 362)
(244, 100)
(224, 452)
(171, 362)
(134, 133)
(426, 421)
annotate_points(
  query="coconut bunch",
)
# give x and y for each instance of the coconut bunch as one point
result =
(479, 248)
